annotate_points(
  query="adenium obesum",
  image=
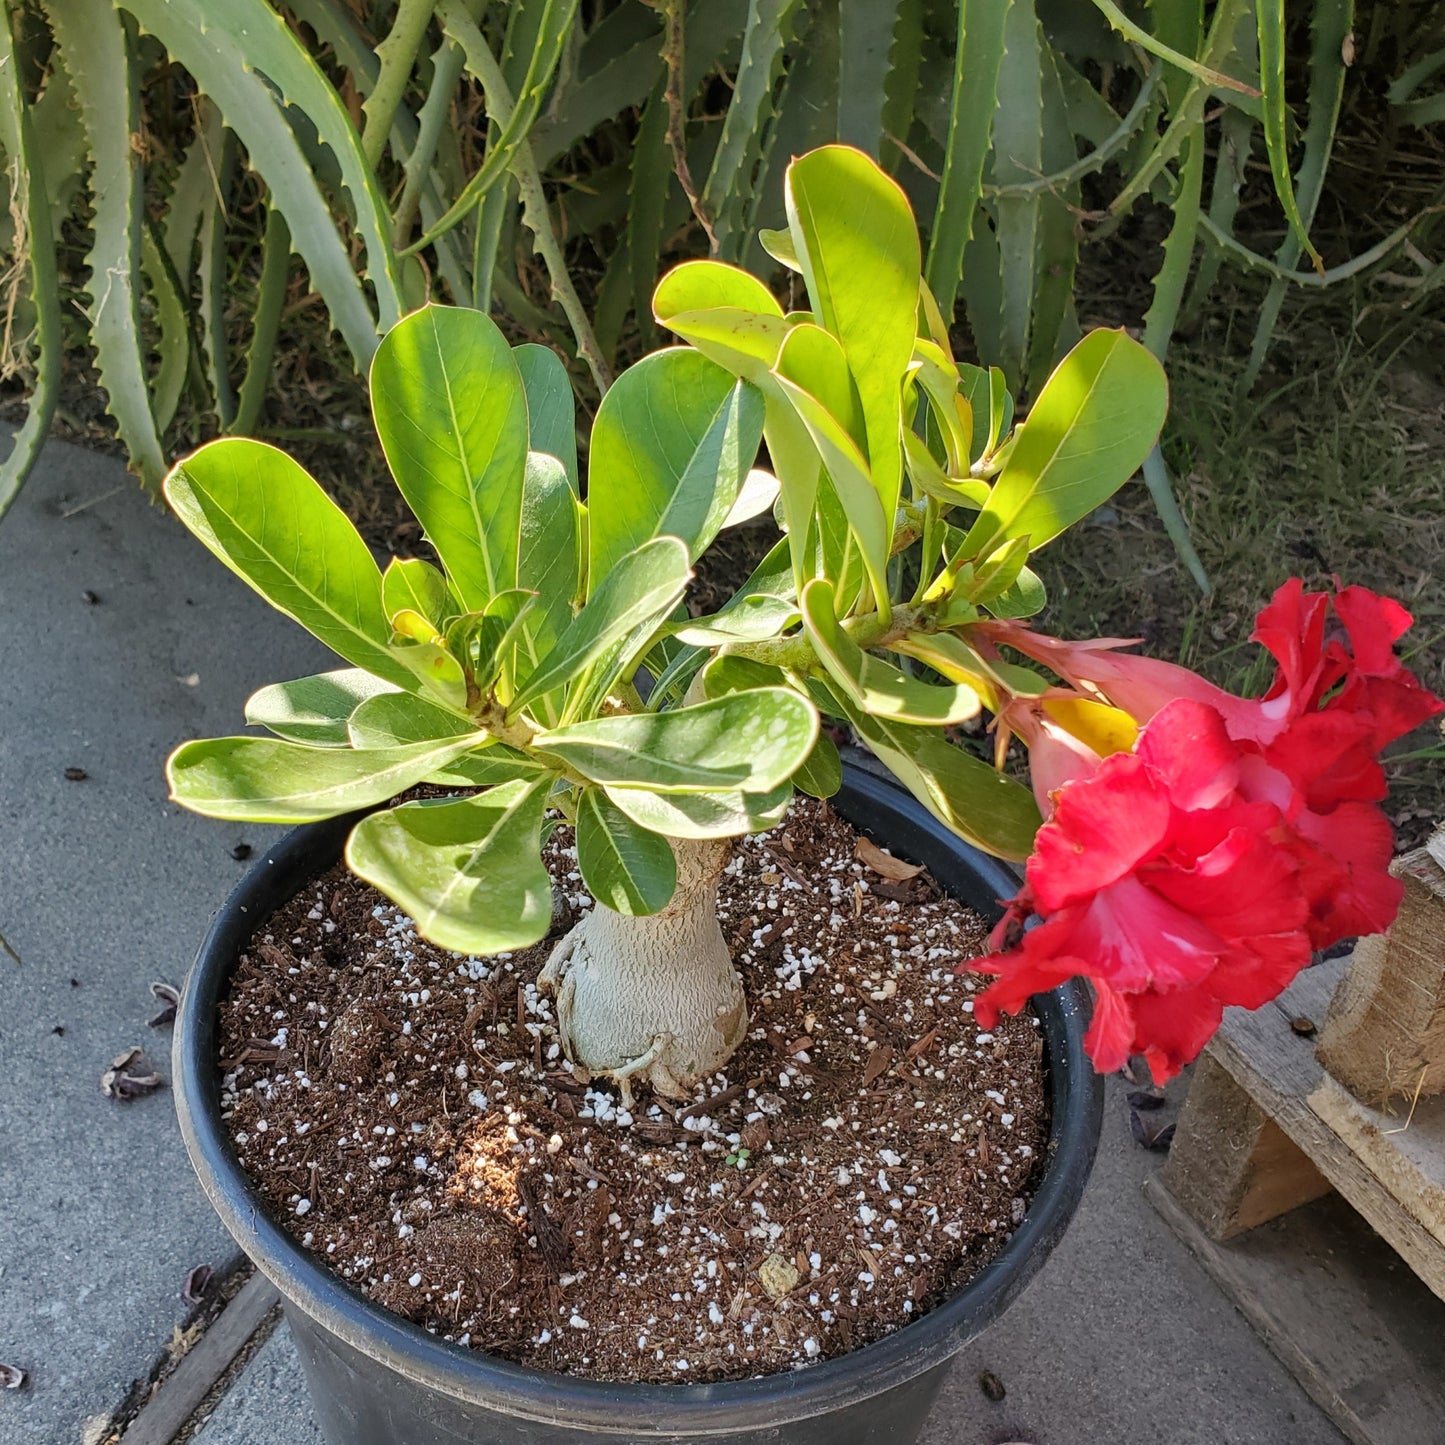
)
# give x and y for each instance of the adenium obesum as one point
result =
(1199, 846)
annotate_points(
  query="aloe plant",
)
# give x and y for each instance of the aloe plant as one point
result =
(546, 667)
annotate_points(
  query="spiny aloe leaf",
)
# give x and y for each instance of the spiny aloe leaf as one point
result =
(93, 46)
(236, 52)
(30, 207)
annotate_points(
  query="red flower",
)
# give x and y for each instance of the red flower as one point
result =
(1198, 870)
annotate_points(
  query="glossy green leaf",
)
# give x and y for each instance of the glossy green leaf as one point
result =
(315, 709)
(1023, 597)
(264, 780)
(468, 871)
(673, 441)
(875, 686)
(703, 815)
(759, 494)
(270, 523)
(985, 808)
(858, 245)
(395, 719)
(410, 584)
(551, 411)
(549, 557)
(751, 742)
(421, 649)
(752, 619)
(1092, 425)
(633, 598)
(727, 672)
(709, 285)
(822, 772)
(451, 412)
(626, 867)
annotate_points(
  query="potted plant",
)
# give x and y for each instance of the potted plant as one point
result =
(545, 674)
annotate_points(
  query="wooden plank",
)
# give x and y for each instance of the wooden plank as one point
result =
(1408, 1158)
(182, 1391)
(1384, 1036)
(1231, 1166)
(1278, 1069)
(1363, 1337)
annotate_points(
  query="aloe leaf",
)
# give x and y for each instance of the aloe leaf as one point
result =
(1094, 422)
(468, 871)
(270, 523)
(30, 207)
(267, 780)
(875, 686)
(220, 151)
(1270, 18)
(92, 44)
(745, 122)
(451, 412)
(650, 180)
(866, 42)
(619, 618)
(751, 742)
(315, 710)
(236, 52)
(1330, 23)
(673, 441)
(625, 866)
(552, 32)
(978, 56)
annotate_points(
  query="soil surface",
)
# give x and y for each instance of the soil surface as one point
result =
(408, 1115)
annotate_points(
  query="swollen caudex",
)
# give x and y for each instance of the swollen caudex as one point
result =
(655, 998)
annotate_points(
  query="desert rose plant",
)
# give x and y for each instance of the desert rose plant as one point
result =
(1196, 845)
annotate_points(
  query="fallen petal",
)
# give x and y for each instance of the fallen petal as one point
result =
(198, 1281)
(12, 1377)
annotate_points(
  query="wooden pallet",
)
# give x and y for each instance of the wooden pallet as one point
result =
(1267, 1129)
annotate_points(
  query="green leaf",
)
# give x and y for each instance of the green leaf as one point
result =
(315, 709)
(1092, 425)
(263, 780)
(396, 719)
(1023, 597)
(451, 412)
(414, 585)
(421, 649)
(624, 610)
(703, 815)
(978, 54)
(92, 44)
(752, 619)
(468, 871)
(237, 53)
(673, 441)
(30, 208)
(875, 686)
(983, 807)
(551, 420)
(271, 524)
(822, 772)
(626, 867)
(750, 742)
(858, 245)
(549, 559)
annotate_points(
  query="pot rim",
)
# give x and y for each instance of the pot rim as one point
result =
(871, 803)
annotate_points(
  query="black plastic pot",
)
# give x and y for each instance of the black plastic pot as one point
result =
(377, 1379)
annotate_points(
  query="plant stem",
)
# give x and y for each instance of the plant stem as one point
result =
(674, 57)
